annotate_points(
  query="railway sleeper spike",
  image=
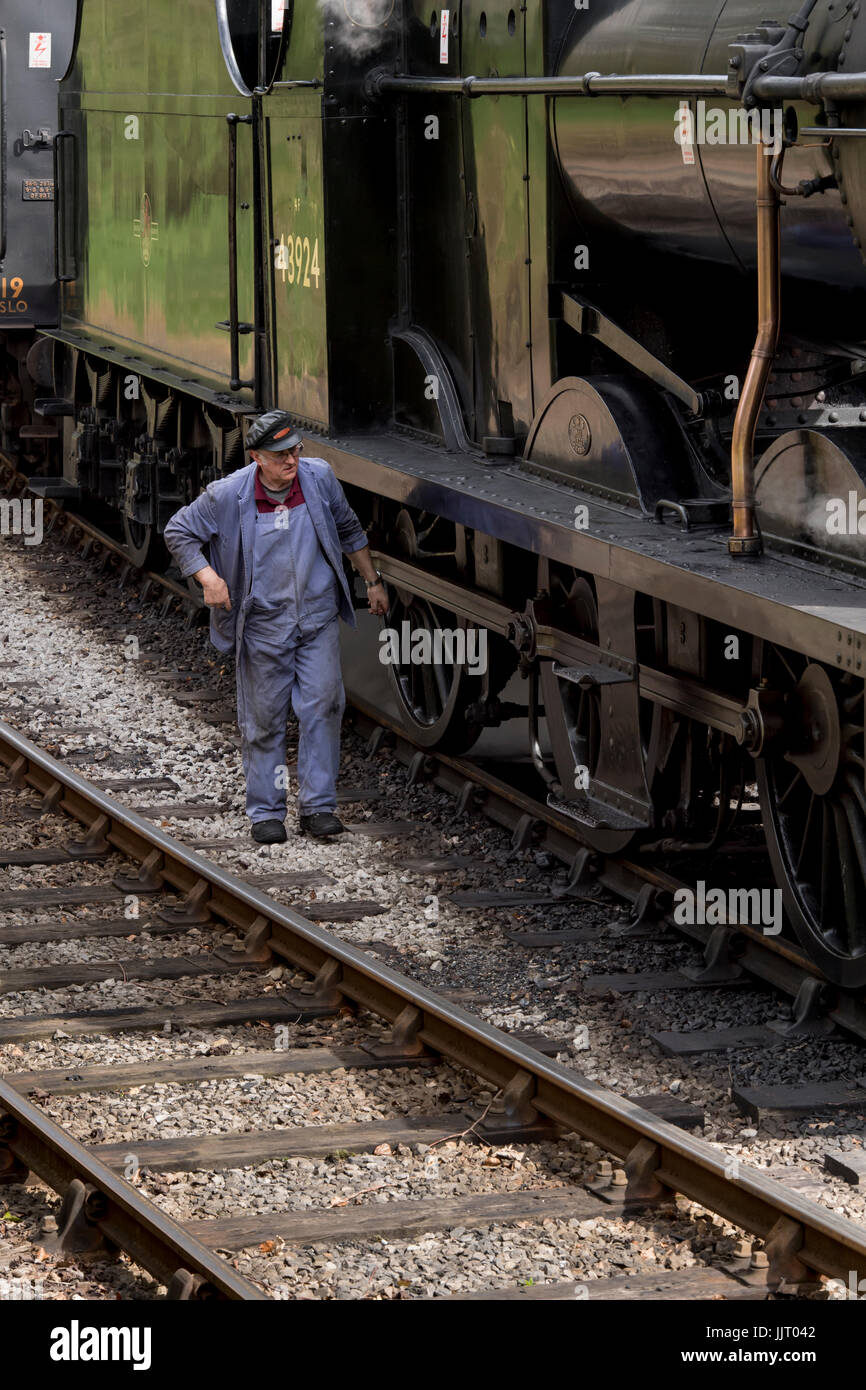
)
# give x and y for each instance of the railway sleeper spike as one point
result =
(469, 797)
(52, 798)
(809, 1012)
(585, 866)
(782, 1246)
(323, 990)
(720, 958)
(94, 843)
(149, 878)
(421, 768)
(16, 772)
(526, 832)
(405, 1040)
(643, 1186)
(513, 1115)
(193, 911)
(374, 742)
(12, 1168)
(648, 913)
(78, 1223)
(256, 948)
(185, 1287)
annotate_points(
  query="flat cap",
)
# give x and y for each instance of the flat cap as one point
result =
(273, 431)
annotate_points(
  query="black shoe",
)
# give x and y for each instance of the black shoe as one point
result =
(269, 832)
(321, 824)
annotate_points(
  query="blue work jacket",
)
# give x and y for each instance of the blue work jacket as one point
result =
(224, 517)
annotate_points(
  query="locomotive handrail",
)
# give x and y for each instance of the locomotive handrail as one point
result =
(2, 144)
(814, 88)
(60, 208)
(235, 327)
(589, 85)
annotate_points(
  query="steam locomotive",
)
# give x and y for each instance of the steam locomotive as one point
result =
(570, 295)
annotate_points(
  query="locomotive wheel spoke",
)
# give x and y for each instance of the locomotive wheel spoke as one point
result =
(805, 840)
(798, 777)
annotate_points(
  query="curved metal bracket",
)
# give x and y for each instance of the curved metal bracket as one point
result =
(447, 400)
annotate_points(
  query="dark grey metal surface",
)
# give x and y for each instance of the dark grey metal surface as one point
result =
(29, 124)
(798, 606)
(624, 168)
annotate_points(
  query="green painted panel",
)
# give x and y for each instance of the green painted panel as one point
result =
(495, 143)
(298, 262)
(153, 199)
(130, 46)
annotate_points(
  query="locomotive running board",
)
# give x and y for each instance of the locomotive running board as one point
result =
(589, 677)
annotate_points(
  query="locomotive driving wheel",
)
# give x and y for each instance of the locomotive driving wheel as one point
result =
(813, 800)
(432, 685)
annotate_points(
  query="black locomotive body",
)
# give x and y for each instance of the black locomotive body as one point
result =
(571, 297)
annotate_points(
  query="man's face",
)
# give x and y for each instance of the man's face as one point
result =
(278, 469)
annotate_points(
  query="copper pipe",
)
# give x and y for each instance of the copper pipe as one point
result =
(746, 539)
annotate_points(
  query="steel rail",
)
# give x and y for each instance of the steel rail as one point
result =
(123, 1216)
(781, 964)
(660, 1159)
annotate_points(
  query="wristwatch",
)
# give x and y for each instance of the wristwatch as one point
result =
(371, 583)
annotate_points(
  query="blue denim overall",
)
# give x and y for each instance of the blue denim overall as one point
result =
(289, 650)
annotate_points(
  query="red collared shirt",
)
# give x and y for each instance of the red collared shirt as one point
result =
(264, 503)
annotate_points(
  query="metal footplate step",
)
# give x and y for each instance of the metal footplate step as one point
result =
(597, 814)
(56, 488)
(589, 677)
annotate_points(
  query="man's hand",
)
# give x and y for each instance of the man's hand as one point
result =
(215, 591)
(377, 597)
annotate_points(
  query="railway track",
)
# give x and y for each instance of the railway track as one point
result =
(729, 949)
(540, 1099)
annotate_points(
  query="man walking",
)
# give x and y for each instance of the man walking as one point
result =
(276, 588)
